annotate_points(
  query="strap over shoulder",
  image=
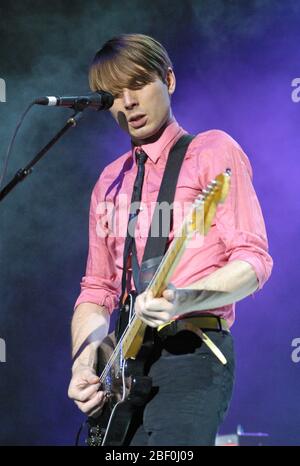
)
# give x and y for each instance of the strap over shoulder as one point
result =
(156, 244)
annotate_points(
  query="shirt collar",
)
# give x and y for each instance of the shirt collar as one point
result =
(155, 149)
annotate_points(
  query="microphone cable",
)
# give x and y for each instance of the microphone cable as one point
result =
(11, 143)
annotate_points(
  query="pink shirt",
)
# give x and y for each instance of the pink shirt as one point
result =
(237, 232)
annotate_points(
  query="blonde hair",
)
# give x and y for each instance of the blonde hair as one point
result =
(128, 61)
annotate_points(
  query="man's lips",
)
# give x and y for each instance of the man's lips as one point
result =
(136, 116)
(140, 121)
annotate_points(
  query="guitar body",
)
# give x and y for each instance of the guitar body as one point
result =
(129, 388)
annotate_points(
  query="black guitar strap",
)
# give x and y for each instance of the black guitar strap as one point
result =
(160, 227)
(156, 244)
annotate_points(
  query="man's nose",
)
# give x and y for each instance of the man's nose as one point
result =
(129, 98)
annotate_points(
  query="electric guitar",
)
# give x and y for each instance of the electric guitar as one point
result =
(124, 365)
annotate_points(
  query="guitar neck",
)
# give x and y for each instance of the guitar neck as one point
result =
(134, 334)
(167, 266)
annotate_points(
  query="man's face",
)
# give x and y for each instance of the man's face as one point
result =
(151, 106)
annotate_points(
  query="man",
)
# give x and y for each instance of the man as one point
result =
(194, 387)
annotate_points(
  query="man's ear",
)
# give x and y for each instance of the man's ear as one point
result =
(171, 80)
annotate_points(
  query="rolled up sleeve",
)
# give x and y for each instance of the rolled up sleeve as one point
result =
(100, 285)
(240, 220)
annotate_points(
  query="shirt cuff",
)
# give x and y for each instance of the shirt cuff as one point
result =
(261, 267)
(93, 293)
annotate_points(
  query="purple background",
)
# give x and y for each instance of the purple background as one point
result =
(234, 63)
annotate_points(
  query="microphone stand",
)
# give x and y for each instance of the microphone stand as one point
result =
(24, 172)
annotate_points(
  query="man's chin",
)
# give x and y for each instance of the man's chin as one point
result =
(142, 133)
(147, 134)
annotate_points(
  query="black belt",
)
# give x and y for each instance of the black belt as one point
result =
(204, 322)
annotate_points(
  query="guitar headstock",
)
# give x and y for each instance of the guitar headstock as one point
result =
(205, 204)
(198, 219)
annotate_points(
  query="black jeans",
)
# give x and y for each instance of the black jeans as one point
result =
(194, 392)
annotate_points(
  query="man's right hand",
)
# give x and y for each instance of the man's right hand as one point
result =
(84, 390)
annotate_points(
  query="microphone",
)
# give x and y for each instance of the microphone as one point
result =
(99, 100)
